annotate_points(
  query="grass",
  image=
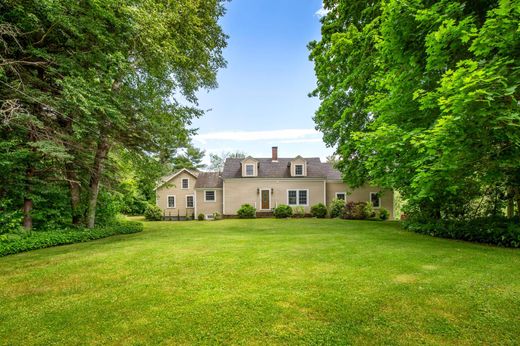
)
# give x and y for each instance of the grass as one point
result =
(262, 282)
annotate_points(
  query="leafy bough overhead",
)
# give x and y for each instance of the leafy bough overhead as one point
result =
(423, 97)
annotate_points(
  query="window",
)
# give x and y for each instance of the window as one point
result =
(189, 201)
(298, 169)
(341, 195)
(171, 201)
(250, 169)
(374, 198)
(185, 183)
(291, 197)
(297, 197)
(209, 196)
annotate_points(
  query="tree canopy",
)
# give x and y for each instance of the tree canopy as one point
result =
(423, 97)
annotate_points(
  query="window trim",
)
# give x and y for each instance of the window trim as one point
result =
(193, 201)
(182, 184)
(344, 193)
(303, 170)
(298, 198)
(214, 195)
(370, 200)
(168, 202)
(253, 173)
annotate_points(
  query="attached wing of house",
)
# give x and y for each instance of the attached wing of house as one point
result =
(262, 182)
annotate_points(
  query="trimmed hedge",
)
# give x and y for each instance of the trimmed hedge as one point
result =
(496, 230)
(282, 211)
(246, 211)
(40, 240)
(319, 210)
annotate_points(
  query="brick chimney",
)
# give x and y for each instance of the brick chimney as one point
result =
(275, 154)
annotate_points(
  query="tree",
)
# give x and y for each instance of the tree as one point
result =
(217, 161)
(191, 158)
(85, 79)
(444, 130)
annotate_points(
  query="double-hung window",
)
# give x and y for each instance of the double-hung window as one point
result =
(185, 183)
(298, 197)
(298, 169)
(189, 201)
(374, 198)
(250, 170)
(341, 195)
(209, 196)
(171, 201)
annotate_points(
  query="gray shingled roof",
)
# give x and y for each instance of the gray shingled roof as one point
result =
(208, 180)
(269, 169)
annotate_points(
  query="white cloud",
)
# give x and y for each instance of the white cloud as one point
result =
(282, 135)
(303, 140)
(322, 12)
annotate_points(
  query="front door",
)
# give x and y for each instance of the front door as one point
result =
(266, 199)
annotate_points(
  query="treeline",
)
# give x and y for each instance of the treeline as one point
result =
(423, 97)
(90, 114)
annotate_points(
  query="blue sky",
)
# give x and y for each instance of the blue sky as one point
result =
(262, 97)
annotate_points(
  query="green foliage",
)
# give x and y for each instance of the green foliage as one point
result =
(492, 230)
(319, 210)
(282, 211)
(336, 208)
(9, 219)
(153, 213)
(356, 211)
(298, 212)
(444, 130)
(201, 217)
(190, 158)
(383, 214)
(217, 216)
(246, 211)
(39, 240)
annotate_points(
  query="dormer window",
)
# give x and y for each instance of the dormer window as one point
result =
(250, 170)
(298, 169)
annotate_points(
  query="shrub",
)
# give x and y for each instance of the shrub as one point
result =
(282, 211)
(298, 212)
(153, 213)
(336, 207)
(40, 240)
(246, 211)
(201, 217)
(319, 210)
(491, 230)
(356, 211)
(217, 216)
(384, 214)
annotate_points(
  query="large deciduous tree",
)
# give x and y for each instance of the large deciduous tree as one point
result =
(423, 97)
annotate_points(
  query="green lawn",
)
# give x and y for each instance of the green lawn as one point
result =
(262, 282)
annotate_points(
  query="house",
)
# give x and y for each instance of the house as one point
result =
(262, 182)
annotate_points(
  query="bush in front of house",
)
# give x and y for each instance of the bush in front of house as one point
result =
(153, 213)
(336, 208)
(356, 211)
(40, 240)
(384, 214)
(319, 210)
(246, 211)
(298, 212)
(217, 216)
(497, 230)
(282, 211)
(200, 217)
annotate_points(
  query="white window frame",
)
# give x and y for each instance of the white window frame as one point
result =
(303, 169)
(253, 172)
(214, 195)
(193, 200)
(168, 202)
(341, 193)
(182, 184)
(370, 199)
(298, 197)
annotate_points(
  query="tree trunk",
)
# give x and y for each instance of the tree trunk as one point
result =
(510, 203)
(27, 200)
(95, 178)
(75, 193)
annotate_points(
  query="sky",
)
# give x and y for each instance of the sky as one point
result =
(262, 98)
